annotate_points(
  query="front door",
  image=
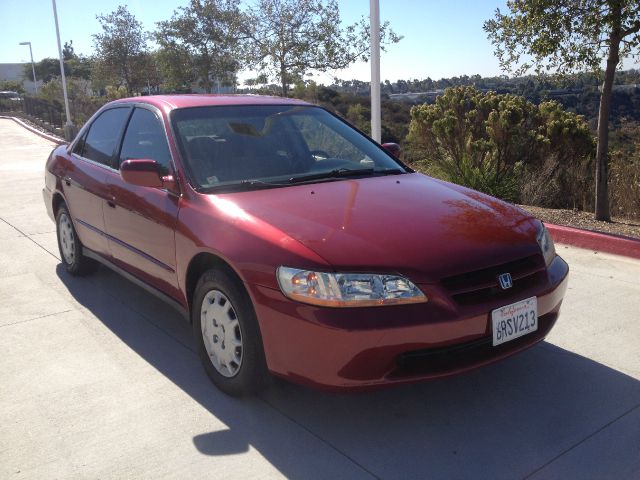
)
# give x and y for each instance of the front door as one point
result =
(141, 221)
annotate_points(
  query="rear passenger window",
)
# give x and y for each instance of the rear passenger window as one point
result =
(145, 138)
(104, 133)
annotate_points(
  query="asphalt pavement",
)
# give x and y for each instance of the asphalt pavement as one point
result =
(99, 379)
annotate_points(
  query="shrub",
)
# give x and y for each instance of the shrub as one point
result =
(624, 170)
(501, 143)
(624, 183)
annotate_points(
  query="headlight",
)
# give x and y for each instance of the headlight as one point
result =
(347, 289)
(546, 245)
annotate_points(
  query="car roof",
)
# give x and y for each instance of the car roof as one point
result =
(170, 102)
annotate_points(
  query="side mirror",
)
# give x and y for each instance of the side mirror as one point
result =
(141, 172)
(393, 148)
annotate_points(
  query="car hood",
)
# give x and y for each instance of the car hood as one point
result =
(410, 224)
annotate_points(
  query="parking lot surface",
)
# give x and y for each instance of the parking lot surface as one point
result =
(99, 379)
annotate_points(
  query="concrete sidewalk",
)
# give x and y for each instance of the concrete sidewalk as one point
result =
(98, 379)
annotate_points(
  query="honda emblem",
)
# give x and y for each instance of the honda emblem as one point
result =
(505, 280)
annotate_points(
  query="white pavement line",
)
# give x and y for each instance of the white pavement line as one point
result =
(36, 318)
(29, 238)
(326, 442)
(585, 439)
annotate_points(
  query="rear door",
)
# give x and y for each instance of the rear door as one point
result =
(84, 182)
(141, 221)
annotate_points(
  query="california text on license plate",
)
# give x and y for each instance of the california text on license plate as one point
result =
(515, 320)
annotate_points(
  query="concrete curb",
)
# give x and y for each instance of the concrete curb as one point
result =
(601, 242)
(51, 138)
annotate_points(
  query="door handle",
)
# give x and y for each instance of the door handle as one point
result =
(111, 204)
(67, 180)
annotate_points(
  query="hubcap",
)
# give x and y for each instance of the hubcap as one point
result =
(221, 333)
(67, 239)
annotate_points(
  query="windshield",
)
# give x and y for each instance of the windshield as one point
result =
(272, 145)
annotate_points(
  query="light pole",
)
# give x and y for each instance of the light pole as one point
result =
(374, 19)
(33, 67)
(69, 129)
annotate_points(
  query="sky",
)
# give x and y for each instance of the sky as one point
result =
(441, 38)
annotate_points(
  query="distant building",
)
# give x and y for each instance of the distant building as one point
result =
(563, 92)
(626, 88)
(629, 88)
(13, 72)
(217, 88)
(218, 85)
(416, 97)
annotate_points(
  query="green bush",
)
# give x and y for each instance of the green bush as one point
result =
(11, 86)
(500, 143)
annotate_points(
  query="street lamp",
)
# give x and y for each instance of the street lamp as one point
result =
(69, 129)
(33, 67)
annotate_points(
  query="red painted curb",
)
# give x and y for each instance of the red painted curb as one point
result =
(601, 242)
(51, 138)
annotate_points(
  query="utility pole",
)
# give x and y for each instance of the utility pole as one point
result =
(374, 18)
(69, 128)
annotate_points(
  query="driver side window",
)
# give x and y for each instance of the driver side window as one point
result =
(100, 142)
(145, 138)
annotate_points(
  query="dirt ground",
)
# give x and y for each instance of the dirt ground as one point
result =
(586, 221)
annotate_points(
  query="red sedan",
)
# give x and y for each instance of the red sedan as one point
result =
(296, 245)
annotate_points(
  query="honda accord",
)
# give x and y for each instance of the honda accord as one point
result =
(295, 245)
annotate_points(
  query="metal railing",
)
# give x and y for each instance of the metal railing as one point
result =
(50, 112)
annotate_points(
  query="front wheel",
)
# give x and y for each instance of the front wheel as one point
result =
(70, 247)
(227, 334)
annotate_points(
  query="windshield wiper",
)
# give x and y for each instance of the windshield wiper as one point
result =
(344, 172)
(389, 171)
(240, 185)
(337, 173)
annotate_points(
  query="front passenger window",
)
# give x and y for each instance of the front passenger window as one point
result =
(104, 133)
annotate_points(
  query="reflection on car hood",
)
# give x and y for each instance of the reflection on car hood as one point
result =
(410, 224)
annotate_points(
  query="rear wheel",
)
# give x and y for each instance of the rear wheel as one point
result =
(70, 247)
(227, 335)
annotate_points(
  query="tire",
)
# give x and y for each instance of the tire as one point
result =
(227, 334)
(70, 247)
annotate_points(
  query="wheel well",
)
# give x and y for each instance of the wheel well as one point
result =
(57, 201)
(200, 264)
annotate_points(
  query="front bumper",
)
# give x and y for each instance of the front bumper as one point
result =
(341, 348)
(47, 196)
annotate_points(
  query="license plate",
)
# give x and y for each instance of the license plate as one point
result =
(514, 321)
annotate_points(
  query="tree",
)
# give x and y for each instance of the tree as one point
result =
(75, 65)
(203, 41)
(176, 68)
(46, 69)
(121, 48)
(49, 68)
(292, 37)
(567, 36)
